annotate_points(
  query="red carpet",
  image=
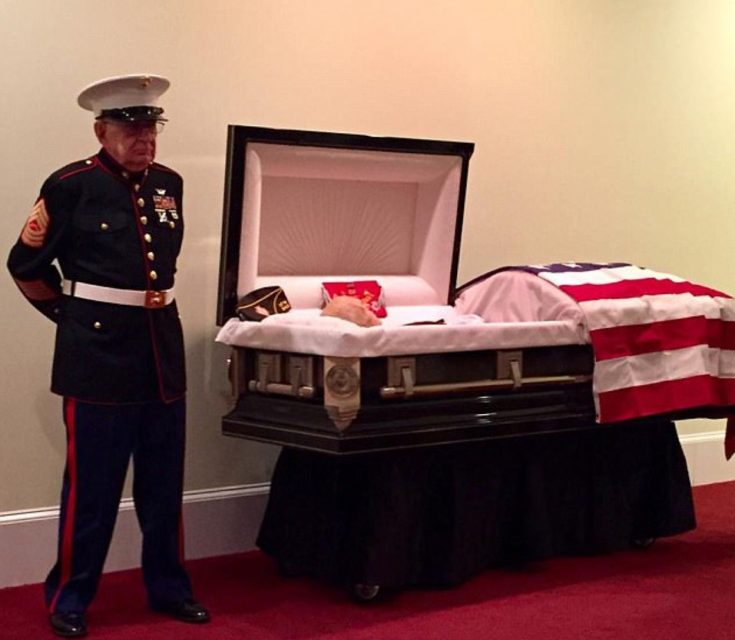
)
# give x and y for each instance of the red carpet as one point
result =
(680, 588)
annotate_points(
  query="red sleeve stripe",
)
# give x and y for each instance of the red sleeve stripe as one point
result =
(37, 290)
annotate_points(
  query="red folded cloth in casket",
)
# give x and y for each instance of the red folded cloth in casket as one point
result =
(368, 291)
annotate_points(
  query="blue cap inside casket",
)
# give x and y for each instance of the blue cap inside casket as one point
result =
(305, 207)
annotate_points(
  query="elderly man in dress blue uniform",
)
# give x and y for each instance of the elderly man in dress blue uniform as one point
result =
(97, 256)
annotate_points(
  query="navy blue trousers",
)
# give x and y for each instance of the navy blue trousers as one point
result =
(100, 442)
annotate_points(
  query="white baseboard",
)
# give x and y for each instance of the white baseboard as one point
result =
(226, 520)
(705, 454)
(217, 522)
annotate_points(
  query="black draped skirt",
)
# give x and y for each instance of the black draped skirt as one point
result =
(435, 516)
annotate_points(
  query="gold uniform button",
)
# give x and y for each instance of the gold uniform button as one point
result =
(136, 187)
(104, 226)
(97, 325)
(125, 175)
(153, 275)
(87, 162)
(143, 219)
(151, 255)
(172, 224)
(141, 202)
(147, 237)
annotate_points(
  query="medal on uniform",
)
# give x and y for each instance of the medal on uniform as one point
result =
(165, 206)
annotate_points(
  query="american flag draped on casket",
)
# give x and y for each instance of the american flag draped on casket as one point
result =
(661, 343)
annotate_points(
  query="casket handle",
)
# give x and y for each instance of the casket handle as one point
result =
(282, 389)
(390, 392)
(270, 379)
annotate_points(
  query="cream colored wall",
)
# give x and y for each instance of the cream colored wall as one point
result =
(605, 129)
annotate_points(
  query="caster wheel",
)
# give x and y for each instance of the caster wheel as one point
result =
(364, 592)
(642, 543)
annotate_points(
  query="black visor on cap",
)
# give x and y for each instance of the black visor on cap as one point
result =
(133, 114)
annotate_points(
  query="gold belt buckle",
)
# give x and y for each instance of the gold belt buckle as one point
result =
(154, 299)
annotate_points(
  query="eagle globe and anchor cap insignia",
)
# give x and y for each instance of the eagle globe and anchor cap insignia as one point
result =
(131, 97)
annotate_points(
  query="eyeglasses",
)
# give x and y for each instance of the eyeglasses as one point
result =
(139, 128)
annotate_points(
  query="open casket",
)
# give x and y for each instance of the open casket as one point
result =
(510, 354)
(302, 208)
(507, 355)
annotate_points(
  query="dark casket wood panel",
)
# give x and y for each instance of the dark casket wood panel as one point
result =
(451, 417)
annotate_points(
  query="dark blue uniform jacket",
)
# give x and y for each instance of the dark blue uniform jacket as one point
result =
(96, 223)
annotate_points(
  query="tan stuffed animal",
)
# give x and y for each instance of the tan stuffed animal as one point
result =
(351, 309)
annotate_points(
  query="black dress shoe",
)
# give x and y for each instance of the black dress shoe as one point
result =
(68, 625)
(188, 610)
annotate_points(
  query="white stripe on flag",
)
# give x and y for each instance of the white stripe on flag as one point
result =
(662, 366)
(605, 314)
(605, 276)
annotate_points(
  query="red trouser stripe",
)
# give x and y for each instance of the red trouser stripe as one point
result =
(181, 539)
(67, 536)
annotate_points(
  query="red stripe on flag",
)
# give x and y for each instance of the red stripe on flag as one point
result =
(67, 535)
(631, 340)
(636, 289)
(664, 397)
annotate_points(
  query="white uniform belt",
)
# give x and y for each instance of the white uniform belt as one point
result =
(149, 299)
